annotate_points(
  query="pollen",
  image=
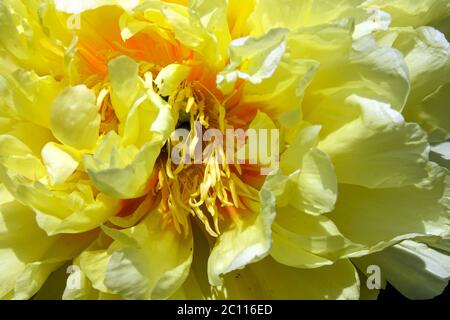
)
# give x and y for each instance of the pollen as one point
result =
(202, 189)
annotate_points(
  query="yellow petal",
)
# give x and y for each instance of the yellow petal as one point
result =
(212, 15)
(313, 189)
(413, 13)
(246, 240)
(16, 156)
(27, 96)
(269, 14)
(170, 78)
(28, 261)
(74, 118)
(24, 40)
(413, 268)
(60, 161)
(377, 149)
(125, 85)
(380, 217)
(281, 95)
(373, 72)
(305, 241)
(85, 5)
(253, 59)
(154, 269)
(335, 282)
(122, 172)
(427, 54)
(307, 180)
(79, 287)
(69, 210)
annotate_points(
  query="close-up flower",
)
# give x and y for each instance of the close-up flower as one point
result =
(115, 184)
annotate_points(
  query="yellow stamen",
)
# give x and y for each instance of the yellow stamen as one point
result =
(198, 189)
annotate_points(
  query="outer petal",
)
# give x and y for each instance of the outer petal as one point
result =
(28, 261)
(290, 14)
(307, 181)
(94, 264)
(304, 140)
(413, 13)
(27, 96)
(71, 211)
(70, 208)
(253, 59)
(33, 278)
(155, 267)
(84, 5)
(381, 217)
(281, 95)
(377, 149)
(427, 54)
(53, 287)
(268, 279)
(74, 118)
(432, 114)
(79, 287)
(314, 187)
(339, 281)
(310, 188)
(60, 161)
(82, 292)
(268, 148)
(55, 218)
(305, 241)
(414, 269)
(17, 156)
(246, 240)
(212, 16)
(23, 40)
(202, 27)
(374, 72)
(336, 282)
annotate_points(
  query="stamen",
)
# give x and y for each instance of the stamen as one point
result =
(198, 189)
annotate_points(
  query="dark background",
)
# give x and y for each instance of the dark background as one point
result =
(390, 294)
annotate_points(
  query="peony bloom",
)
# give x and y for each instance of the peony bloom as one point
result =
(92, 93)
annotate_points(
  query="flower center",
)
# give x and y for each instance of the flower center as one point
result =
(198, 186)
(203, 183)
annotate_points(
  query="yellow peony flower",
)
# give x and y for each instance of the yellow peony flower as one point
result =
(94, 93)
